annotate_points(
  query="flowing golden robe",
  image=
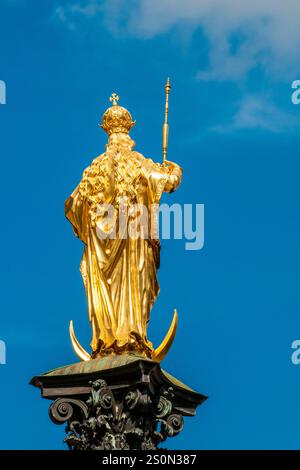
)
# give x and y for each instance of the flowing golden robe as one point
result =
(119, 273)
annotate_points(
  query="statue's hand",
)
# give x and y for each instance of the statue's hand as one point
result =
(174, 174)
(172, 167)
(168, 163)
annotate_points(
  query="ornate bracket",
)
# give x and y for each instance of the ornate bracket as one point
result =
(112, 420)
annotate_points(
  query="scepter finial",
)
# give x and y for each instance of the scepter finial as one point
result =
(168, 85)
(165, 130)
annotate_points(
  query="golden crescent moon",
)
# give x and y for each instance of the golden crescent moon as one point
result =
(160, 353)
(79, 350)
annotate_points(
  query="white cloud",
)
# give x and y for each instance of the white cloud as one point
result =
(72, 12)
(242, 35)
(268, 30)
(259, 112)
(62, 15)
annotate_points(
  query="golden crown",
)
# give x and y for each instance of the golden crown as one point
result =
(116, 118)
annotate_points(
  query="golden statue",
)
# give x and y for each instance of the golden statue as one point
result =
(120, 272)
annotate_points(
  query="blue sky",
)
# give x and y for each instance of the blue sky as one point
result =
(235, 132)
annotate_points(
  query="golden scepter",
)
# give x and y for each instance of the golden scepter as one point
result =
(165, 129)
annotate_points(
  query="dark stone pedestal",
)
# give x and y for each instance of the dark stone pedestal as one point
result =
(117, 402)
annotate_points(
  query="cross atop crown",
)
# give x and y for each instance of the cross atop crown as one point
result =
(114, 98)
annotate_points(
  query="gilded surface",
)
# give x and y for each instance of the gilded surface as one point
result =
(119, 274)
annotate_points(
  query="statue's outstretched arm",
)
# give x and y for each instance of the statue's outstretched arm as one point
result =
(174, 173)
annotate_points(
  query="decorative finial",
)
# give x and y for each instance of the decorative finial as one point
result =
(114, 98)
(168, 85)
(166, 125)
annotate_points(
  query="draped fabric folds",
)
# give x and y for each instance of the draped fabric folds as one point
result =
(119, 273)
